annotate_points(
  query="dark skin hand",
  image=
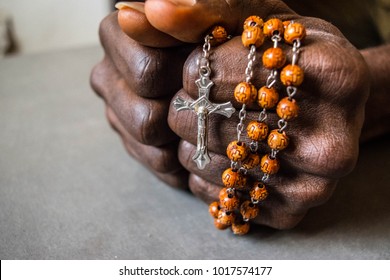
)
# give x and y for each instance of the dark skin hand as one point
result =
(143, 71)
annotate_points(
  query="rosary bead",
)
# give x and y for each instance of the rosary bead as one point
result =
(214, 209)
(269, 165)
(228, 200)
(249, 210)
(222, 193)
(240, 228)
(294, 31)
(278, 140)
(257, 130)
(233, 179)
(253, 21)
(287, 109)
(274, 58)
(219, 225)
(258, 192)
(273, 26)
(226, 217)
(219, 35)
(245, 93)
(292, 75)
(252, 35)
(237, 151)
(251, 161)
(267, 98)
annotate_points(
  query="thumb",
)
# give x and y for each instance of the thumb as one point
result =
(189, 20)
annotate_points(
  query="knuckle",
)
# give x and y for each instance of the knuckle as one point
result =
(147, 122)
(106, 27)
(161, 160)
(341, 77)
(330, 155)
(313, 192)
(287, 222)
(206, 191)
(96, 80)
(281, 220)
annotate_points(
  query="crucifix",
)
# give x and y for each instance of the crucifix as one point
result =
(203, 107)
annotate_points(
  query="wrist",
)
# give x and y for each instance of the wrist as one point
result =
(378, 104)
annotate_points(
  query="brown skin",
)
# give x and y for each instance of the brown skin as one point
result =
(138, 83)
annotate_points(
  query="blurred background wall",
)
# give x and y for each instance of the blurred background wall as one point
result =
(44, 25)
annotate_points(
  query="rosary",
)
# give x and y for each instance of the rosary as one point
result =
(240, 199)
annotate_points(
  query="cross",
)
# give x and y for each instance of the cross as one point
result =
(203, 107)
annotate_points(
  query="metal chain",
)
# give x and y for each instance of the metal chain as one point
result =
(240, 125)
(295, 51)
(282, 125)
(272, 78)
(204, 62)
(251, 61)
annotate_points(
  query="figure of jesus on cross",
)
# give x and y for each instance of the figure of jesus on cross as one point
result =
(203, 107)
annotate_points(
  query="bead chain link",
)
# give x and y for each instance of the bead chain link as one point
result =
(204, 62)
(249, 75)
(251, 61)
(271, 80)
(291, 90)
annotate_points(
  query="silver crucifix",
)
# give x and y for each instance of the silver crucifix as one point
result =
(203, 107)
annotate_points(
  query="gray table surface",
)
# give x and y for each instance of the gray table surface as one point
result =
(68, 190)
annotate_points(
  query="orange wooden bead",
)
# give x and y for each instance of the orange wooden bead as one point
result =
(287, 109)
(269, 165)
(258, 192)
(214, 209)
(248, 210)
(274, 58)
(292, 75)
(237, 151)
(252, 35)
(226, 217)
(294, 31)
(253, 21)
(267, 98)
(278, 140)
(257, 130)
(240, 228)
(286, 23)
(219, 225)
(273, 26)
(233, 179)
(252, 160)
(229, 201)
(219, 35)
(222, 193)
(245, 93)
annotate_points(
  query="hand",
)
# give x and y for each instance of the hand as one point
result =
(324, 138)
(137, 84)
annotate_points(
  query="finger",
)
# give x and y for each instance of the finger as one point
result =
(133, 22)
(148, 72)
(219, 163)
(287, 202)
(188, 20)
(330, 155)
(162, 161)
(325, 72)
(144, 119)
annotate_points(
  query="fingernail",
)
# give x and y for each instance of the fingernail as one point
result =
(138, 6)
(183, 2)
